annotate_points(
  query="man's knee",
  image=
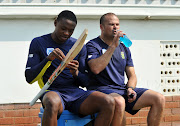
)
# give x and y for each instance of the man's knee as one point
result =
(52, 103)
(156, 99)
(119, 103)
(109, 101)
(160, 100)
(119, 100)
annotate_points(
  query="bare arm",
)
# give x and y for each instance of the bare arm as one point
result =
(99, 64)
(132, 81)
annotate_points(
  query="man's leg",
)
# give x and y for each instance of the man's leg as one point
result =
(52, 107)
(124, 119)
(156, 102)
(119, 112)
(101, 103)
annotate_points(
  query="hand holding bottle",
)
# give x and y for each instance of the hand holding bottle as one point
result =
(127, 42)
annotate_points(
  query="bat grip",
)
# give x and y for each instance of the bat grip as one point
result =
(46, 86)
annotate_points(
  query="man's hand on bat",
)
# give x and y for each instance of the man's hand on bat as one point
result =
(73, 66)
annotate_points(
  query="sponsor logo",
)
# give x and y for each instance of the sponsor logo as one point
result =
(122, 55)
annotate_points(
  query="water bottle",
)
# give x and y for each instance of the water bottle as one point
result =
(127, 42)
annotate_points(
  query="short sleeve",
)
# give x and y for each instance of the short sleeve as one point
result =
(93, 50)
(129, 58)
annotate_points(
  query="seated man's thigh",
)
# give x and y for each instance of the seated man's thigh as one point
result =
(148, 98)
(96, 101)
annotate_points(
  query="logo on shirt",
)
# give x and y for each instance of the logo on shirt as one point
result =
(49, 50)
(89, 56)
(122, 55)
(104, 50)
(30, 56)
(27, 68)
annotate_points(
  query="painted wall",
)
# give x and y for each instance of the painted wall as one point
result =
(16, 34)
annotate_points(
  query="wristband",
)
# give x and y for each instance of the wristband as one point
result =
(130, 87)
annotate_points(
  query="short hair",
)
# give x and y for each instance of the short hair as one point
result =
(102, 19)
(66, 14)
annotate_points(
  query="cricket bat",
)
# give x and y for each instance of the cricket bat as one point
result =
(76, 48)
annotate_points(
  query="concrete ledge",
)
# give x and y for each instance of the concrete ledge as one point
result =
(49, 11)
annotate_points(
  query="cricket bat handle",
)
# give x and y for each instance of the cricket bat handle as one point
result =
(46, 86)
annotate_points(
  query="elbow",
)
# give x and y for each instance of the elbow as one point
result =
(28, 79)
(95, 71)
(94, 68)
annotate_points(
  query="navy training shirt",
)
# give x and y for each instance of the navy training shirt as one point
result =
(113, 74)
(38, 68)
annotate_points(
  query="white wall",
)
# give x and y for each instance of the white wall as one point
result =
(14, 89)
(15, 36)
(26, 29)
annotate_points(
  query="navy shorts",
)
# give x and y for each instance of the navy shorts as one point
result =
(71, 98)
(123, 92)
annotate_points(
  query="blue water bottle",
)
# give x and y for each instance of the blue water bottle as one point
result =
(127, 42)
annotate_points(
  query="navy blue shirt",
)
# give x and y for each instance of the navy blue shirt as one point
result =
(40, 69)
(113, 74)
